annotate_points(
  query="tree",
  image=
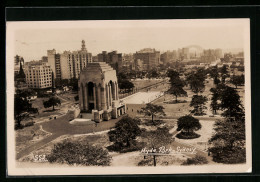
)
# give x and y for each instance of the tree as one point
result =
(176, 88)
(74, 84)
(152, 110)
(187, 125)
(156, 139)
(125, 132)
(53, 101)
(238, 80)
(153, 73)
(79, 153)
(122, 76)
(196, 80)
(21, 106)
(125, 84)
(198, 102)
(213, 71)
(172, 74)
(228, 142)
(230, 103)
(224, 73)
(214, 105)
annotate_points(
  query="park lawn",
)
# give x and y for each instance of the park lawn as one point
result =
(100, 140)
(27, 136)
(177, 109)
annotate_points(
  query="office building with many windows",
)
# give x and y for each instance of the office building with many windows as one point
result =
(38, 75)
(69, 64)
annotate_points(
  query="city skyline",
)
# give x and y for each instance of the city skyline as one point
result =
(127, 36)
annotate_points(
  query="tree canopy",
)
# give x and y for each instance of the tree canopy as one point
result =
(224, 73)
(198, 102)
(125, 132)
(79, 153)
(196, 80)
(231, 104)
(22, 106)
(238, 80)
(125, 84)
(188, 124)
(153, 73)
(177, 84)
(228, 141)
(152, 110)
(227, 99)
(52, 102)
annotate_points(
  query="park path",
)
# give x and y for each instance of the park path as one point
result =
(60, 127)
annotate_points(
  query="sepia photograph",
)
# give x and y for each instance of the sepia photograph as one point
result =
(110, 97)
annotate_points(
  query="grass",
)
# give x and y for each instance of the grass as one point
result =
(28, 136)
(100, 140)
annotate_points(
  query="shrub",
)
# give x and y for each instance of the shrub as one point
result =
(79, 153)
(185, 135)
(197, 160)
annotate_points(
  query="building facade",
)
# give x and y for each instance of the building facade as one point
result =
(113, 58)
(150, 58)
(38, 75)
(98, 92)
(168, 57)
(69, 64)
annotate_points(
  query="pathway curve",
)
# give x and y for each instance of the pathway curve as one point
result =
(61, 126)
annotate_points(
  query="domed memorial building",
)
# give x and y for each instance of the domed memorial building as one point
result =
(98, 92)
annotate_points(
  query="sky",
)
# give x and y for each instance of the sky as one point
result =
(33, 39)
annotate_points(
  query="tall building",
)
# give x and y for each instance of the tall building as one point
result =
(150, 58)
(38, 75)
(128, 63)
(69, 64)
(138, 65)
(208, 56)
(168, 56)
(218, 53)
(113, 58)
(45, 58)
(183, 53)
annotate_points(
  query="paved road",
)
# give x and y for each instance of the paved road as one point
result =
(60, 127)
